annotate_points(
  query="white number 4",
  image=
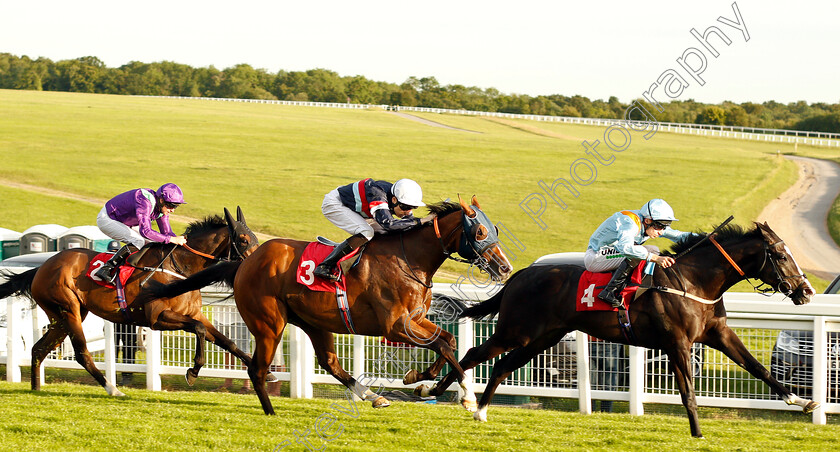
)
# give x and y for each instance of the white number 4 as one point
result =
(588, 297)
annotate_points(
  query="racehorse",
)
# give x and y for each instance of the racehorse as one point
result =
(66, 294)
(537, 307)
(389, 293)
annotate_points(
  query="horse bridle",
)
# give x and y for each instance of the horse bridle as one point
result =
(476, 255)
(784, 286)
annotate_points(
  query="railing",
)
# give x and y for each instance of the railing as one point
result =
(635, 375)
(736, 132)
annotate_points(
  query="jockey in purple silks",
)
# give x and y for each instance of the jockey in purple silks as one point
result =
(351, 206)
(128, 216)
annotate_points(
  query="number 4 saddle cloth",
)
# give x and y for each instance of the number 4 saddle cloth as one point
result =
(591, 284)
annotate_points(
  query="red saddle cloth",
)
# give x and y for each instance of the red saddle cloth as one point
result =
(98, 261)
(591, 284)
(314, 254)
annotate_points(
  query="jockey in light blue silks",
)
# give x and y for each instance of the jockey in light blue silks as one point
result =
(617, 244)
(136, 209)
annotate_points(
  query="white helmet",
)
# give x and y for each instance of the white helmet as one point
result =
(408, 192)
(658, 210)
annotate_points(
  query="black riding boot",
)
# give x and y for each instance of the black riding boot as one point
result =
(108, 271)
(612, 293)
(326, 269)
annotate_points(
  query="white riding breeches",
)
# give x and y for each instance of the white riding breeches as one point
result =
(343, 217)
(119, 231)
(607, 258)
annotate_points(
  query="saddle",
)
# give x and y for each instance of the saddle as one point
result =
(591, 284)
(314, 254)
(124, 272)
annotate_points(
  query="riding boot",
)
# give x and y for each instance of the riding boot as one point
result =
(108, 271)
(326, 269)
(612, 293)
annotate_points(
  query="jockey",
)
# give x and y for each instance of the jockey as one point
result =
(617, 244)
(350, 206)
(137, 208)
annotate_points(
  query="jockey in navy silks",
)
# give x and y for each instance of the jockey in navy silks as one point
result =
(351, 206)
(617, 244)
(128, 216)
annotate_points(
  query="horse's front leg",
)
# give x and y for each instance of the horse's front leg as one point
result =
(725, 340)
(426, 334)
(413, 376)
(171, 320)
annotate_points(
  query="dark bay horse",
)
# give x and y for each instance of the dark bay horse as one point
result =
(389, 293)
(537, 307)
(62, 289)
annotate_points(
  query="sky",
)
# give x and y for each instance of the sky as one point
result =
(596, 49)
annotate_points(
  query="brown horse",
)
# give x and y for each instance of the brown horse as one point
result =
(66, 294)
(389, 292)
(537, 307)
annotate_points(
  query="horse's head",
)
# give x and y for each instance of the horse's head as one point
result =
(783, 273)
(243, 242)
(480, 242)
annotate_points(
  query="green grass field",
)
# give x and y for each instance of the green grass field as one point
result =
(277, 162)
(66, 416)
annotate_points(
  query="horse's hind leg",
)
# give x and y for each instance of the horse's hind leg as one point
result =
(73, 324)
(48, 342)
(510, 362)
(266, 339)
(171, 320)
(215, 336)
(323, 342)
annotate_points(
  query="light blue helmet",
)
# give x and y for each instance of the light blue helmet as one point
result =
(658, 210)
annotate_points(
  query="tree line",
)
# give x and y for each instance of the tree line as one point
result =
(90, 75)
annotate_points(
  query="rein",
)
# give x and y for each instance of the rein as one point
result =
(446, 252)
(199, 253)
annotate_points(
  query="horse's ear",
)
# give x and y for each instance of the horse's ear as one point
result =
(239, 217)
(467, 209)
(229, 217)
(766, 231)
(475, 202)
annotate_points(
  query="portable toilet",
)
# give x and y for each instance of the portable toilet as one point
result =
(40, 238)
(9, 243)
(89, 237)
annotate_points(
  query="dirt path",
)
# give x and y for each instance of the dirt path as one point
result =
(800, 215)
(429, 123)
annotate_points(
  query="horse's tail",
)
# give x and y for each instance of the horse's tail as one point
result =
(17, 283)
(221, 273)
(489, 307)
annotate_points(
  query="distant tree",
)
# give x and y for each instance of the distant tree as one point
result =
(827, 122)
(363, 91)
(712, 115)
(737, 116)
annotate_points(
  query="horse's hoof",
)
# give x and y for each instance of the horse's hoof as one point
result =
(480, 415)
(191, 377)
(381, 402)
(271, 378)
(470, 405)
(411, 377)
(422, 391)
(810, 407)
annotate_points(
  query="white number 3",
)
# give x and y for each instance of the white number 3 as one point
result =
(308, 278)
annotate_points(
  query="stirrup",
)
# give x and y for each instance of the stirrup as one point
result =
(327, 274)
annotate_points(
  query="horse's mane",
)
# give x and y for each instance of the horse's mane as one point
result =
(443, 208)
(208, 224)
(732, 232)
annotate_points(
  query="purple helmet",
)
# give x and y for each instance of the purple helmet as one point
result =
(170, 193)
